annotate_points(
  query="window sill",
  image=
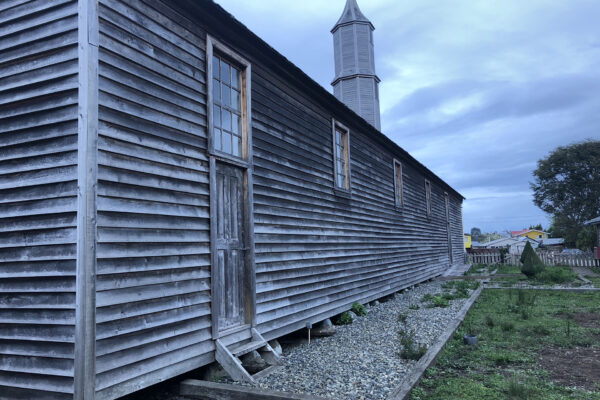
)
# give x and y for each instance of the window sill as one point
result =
(229, 159)
(342, 193)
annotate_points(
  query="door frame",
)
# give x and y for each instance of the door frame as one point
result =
(246, 164)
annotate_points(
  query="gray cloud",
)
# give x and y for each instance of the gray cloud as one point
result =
(475, 90)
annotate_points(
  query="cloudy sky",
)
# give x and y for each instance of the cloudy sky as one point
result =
(476, 90)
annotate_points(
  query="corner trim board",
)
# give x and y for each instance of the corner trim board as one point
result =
(85, 298)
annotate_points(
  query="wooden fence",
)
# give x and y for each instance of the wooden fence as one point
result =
(572, 260)
(548, 258)
(492, 258)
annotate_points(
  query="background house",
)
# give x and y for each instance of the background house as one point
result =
(596, 222)
(530, 233)
(515, 245)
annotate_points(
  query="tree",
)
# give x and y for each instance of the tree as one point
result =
(537, 227)
(476, 235)
(567, 186)
(532, 265)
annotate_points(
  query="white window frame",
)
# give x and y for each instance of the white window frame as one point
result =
(213, 46)
(398, 184)
(348, 183)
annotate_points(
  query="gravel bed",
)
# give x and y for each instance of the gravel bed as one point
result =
(361, 361)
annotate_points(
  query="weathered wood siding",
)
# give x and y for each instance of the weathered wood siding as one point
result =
(317, 252)
(38, 197)
(153, 300)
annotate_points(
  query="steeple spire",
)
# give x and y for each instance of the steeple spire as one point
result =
(356, 83)
(351, 14)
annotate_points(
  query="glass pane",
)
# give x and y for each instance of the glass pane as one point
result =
(236, 126)
(340, 181)
(225, 73)
(216, 67)
(338, 152)
(217, 116)
(237, 146)
(226, 120)
(217, 138)
(235, 100)
(227, 142)
(340, 167)
(338, 137)
(216, 91)
(235, 78)
(226, 92)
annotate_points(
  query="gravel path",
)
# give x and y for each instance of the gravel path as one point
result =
(361, 361)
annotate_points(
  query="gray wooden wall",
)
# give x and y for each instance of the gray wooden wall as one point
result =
(153, 300)
(316, 252)
(38, 197)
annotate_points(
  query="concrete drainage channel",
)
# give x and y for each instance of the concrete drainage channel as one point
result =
(218, 391)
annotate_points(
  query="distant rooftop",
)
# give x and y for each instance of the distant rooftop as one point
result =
(594, 221)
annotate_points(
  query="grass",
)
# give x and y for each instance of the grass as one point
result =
(504, 365)
(508, 269)
(595, 281)
(552, 275)
(480, 269)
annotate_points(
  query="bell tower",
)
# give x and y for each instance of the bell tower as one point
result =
(356, 84)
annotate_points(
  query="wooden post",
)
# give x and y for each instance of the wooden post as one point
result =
(85, 314)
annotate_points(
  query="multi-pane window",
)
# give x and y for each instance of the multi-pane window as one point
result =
(342, 168)
(227, 107)
(398, 183)
(428, 196)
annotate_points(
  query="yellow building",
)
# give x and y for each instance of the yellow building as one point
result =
(467, 241)
(534, 234)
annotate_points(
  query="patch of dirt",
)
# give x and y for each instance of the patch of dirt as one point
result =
(584, 319)
(573, 367)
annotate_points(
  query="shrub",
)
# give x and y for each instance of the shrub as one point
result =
(344, 319)
(439, 301)
(414, 307)
(402, 317)
(501, 358)
(541, 330)
(556, 275)
(532, 265)
(358, 309)
(507, 326)
(518, 390)
(448, 296)
(489, 321)
(526, 298)
(410, 349)
(427, 297)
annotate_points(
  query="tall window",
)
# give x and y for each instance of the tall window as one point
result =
(398, 183)
(227, 107)
(428, 197)
(341, 152)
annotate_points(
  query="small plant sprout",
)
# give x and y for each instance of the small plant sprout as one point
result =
(358, 309)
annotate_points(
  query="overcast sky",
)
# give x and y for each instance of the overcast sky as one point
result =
(476, 90)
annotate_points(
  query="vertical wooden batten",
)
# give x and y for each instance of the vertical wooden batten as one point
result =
(85, 314)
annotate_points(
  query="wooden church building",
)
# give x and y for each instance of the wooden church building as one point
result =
(173, 192)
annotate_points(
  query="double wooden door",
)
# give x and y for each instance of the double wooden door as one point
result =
(230, 247)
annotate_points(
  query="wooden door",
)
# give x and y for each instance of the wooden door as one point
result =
(229, 246)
